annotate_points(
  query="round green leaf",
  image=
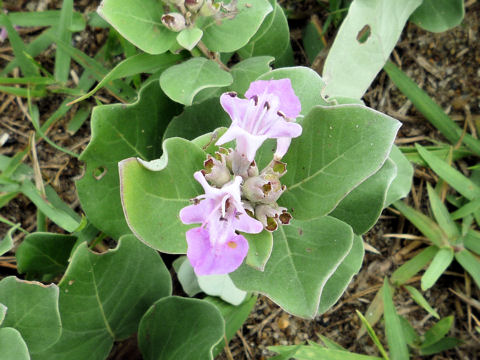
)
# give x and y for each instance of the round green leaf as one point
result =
(259, 249)
(118, 132)
(340, 147)
(180, 329)
(140, 22)
(183, 81)
(189, 37)
(340, 279)
(152, 200)
(247, 71)
(439, 15)
(232, 34)
(223, 287)
(44, 253)
(305, 254)
(32, 309)
(402, 183)
(103, 296)
(12, 345)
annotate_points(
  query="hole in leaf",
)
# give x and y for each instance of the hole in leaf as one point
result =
(364, 34)
(99, 172)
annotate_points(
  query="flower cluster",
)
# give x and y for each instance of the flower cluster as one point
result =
(238, 197)
(188, 10)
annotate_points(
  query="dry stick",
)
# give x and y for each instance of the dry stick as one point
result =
(248, 351)
(468, 290)
(209, 54)
(466, 299)
(228, 353)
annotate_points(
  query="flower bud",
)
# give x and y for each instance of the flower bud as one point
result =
(174, 21)
(194, 5)
(272, 215)
(216, 170)
(265, 188)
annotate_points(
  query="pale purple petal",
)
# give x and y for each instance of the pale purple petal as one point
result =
(197, 213)
(247, 224)
(208, 259)
(289, 103)
(282, 147)
(248, 144)
(234, 106)
(284, 129)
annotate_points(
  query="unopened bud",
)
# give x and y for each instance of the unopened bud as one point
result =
(272, 215)
(174, 21)
(193, 5)
(265, 188)
(216, 170)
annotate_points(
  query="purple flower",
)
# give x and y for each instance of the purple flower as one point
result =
(215, 247)
(268, 112)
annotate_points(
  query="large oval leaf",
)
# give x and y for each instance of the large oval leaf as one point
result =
(232, 34)
(439, 15)
(12, 345)
(180, 329)
(183, 81)
(103, 297)
(118, 132)
(305, 254)
(152, 199)
(363, 44)
(32, 309)
(340, 147)
(140, 22)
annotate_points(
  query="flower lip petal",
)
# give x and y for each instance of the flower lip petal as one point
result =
(208, 259)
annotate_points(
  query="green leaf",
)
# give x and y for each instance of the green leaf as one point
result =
(45, 18)
(471, 241)
(189, 37)
(362, 207)
(330, 344)
(44, 253)
(411, 336)
(413, 266)
(234, 317)
(3, 311)
(306, 84)
(103, 297)
(272, 38)
(152, 200)
(441, 214)
(140, 22)
(470, 263)
(442, 345)
(62, 59)
(304, 256)
(196, 74)
(119, 132)
(186, 276)
(420, 300)
(442, 260)
(342, 276)
(198, 119)
(372, 335)
(437, 331)
(232, 34)
(401, 185)
(427, 226)
(137, 64)
(259, 249)
(247, 71)
(7, 243)
(432, 112)
(32, 309)
(300, 352)
(393, 328)
(364, 58)
(465, 210)
(223, 287)
(336, 140)
(438, 15)
(12, 345)
(180, 329)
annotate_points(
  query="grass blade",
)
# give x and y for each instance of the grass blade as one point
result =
(420, 300)
(470, 263)
(45, 18)
(442, 260)
(441, 214)
(437, 331)
(413, 266)
(372, 335)
(62, 58)
(429, 108)
(393, 328)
